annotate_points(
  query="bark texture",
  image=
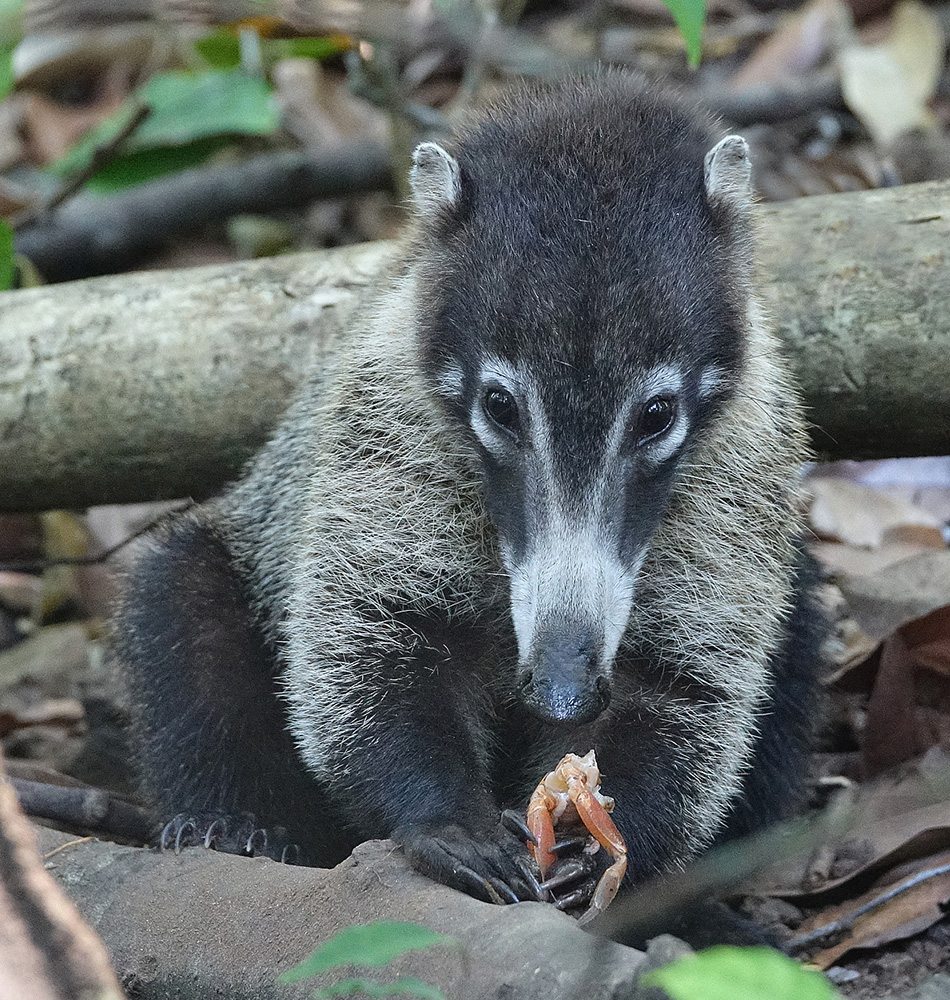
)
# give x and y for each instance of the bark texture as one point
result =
(205, 924)
(859, 285)
(158, 385)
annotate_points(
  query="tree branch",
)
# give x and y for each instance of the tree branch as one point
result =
(46, 951)
(96, 235)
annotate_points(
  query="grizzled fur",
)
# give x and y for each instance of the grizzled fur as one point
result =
(338, 644)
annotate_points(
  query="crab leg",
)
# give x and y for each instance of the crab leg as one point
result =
(541, 823)
(603, 828)
(597, 820)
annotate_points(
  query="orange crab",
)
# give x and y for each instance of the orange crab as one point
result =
(568, 795)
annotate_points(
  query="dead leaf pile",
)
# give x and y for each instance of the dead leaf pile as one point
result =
(885, 880)
(888, 557)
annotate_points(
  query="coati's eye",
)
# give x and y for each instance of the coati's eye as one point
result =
(656, 419)
(501, 409)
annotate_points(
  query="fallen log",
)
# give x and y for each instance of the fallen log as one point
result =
(158, 385)
(204, 924)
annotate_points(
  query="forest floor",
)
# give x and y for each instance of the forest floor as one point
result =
(882, 763)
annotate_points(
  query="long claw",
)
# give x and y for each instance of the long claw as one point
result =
(290, 855)
(172, 826)
(570, 872)
(512, 822)
(256, 837)
(188, 825)
(505, 893)
(572, 845)
(572, 900)
(533, 884)
(481, 886)
(217, 827)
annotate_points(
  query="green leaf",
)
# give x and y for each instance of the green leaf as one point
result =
(7, 257)
(191, 114)
(189, 106)
(221, 49)
(408, 985)
(310, 48)
(726, 973)
(373, 944)
(147, 164)
(690, 15)
(6, 72)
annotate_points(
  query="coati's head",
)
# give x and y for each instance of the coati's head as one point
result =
(584, 256)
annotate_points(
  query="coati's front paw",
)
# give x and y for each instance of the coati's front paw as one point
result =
(573, 880)
(493, 867)
(238, 834)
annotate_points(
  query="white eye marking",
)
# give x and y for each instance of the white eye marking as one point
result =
(495, 374)
(711, 380)
(495, 369)
(666, 446)
(664, 380)
(450, 379)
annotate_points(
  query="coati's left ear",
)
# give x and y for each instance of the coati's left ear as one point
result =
(434, 178)
(729, 176)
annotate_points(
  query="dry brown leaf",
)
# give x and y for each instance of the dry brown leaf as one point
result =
(48, 712)
(889, 829)
(915, 536)
(891, 732)
(842, 560)
(887, 86)
(19, 592)
(859, 515)
(897, 915)
(928, 640)
(900, 593)
(801, 42)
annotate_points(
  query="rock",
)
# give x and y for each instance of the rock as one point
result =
(204, 924)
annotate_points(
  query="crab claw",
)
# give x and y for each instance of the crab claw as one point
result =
(541, 825)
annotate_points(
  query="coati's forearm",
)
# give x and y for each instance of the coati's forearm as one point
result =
(211, 733)
(417, 768)
(401, 740)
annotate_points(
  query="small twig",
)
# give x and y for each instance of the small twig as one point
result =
(39, 565)
(84, 808)
(101, 157)
(848, 920)
(63, 847)
(774, 102)
(479, 54)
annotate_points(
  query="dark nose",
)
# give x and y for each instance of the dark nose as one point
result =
(563, 685)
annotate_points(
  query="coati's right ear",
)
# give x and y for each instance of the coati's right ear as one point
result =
(729, 176)
(434, 178)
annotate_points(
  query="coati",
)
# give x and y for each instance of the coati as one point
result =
(544, 501)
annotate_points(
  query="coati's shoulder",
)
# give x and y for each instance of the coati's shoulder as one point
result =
(364, 489)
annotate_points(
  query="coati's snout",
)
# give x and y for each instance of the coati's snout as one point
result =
(563, 681)
(570, 605)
